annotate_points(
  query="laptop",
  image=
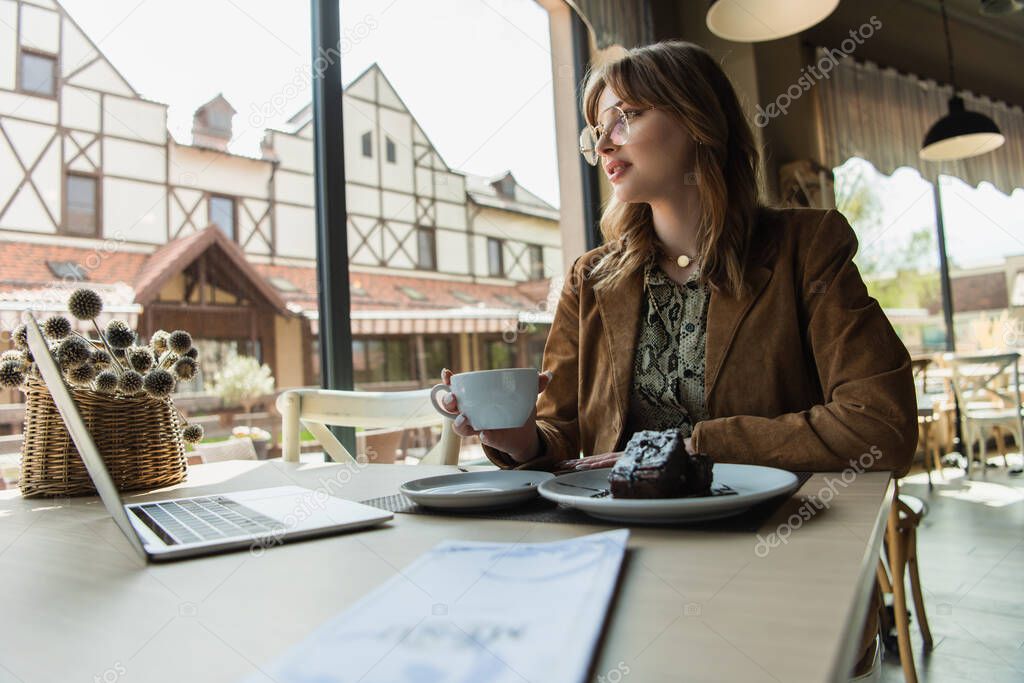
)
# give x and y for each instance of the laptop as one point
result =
(201, 525)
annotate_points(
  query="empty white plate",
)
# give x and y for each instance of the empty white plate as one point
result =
(475, 490)
(751, 484)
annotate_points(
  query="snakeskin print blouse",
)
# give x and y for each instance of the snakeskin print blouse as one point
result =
(668, 368)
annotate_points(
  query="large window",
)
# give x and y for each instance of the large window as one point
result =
(82, 217)
(498, 353)
(222, 214)
(437, 356)
(897, 255)
(38, 73)
(378, 360)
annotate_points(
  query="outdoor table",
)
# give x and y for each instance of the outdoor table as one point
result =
(691, 603)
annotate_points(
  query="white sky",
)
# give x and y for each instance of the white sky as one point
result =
(476, 74)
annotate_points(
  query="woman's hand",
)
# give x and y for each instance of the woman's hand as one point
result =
(591, 462)
(594, 462)
(521, 443)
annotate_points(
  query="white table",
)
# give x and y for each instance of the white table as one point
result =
(79, 605)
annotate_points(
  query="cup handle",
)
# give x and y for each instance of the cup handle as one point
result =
(433, 393)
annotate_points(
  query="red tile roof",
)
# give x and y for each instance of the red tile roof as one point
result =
(23, 266)
(383, 291)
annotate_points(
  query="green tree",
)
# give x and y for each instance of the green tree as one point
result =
(857, 198)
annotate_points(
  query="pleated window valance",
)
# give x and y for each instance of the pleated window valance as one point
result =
(882, 115)
(627, 23)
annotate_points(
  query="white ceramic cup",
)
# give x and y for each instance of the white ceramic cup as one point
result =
(492, 399)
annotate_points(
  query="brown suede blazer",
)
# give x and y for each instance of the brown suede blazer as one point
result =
(803, 371)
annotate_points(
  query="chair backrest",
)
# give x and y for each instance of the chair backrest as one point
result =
(232, 449)
(318, 408)
(983, 377)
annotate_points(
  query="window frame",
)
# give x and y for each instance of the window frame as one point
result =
(537, 264)
(384, 340)
(501, 273)
(20, 82)
(210, 196)
(489, 341)
(97, 204)
(433, 248)
(390, 150)
(366, 140)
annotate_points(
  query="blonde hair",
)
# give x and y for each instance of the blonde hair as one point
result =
(684, 80)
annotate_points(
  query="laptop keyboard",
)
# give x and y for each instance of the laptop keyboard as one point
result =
(205, 519)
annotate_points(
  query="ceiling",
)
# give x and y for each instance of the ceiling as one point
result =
(1009, 27)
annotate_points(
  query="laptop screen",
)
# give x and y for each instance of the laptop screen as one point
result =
(80, 434)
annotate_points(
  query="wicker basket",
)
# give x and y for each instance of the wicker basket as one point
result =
(139, 438)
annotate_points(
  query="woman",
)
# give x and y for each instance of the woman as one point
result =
(748, 326)
(704, 309)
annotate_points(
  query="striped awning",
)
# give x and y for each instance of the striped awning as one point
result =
(453, 321)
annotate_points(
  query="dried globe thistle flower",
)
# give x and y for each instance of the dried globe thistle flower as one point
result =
(192, 353)
(130, 383)
(56, 327)
(19, 337)
(85, 304)
(140, 358)
(101, 358)
(192, 433)
(33, 372)
(73, 352)
(158, 383)
(185, 368)
(12, 354)
(159, 342)
(180, 341)
(119, 335)
(106, 382)
(82, 375)
(12, 374)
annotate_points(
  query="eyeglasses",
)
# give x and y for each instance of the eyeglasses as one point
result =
(616, 127)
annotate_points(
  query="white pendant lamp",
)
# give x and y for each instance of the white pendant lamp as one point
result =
(960, 134)
(751, 21)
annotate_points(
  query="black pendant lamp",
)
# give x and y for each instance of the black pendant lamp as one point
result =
(961, 133)
(751, 21)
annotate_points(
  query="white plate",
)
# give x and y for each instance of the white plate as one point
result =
(475, 490)
(752, 483)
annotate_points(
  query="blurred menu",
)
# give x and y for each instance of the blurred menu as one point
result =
(471, 612)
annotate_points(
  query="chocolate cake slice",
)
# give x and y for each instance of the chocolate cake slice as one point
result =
(656, 465)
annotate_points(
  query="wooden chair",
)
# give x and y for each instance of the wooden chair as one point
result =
(900, 554)
(317, 408)
(988, 405)
(928, 431)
